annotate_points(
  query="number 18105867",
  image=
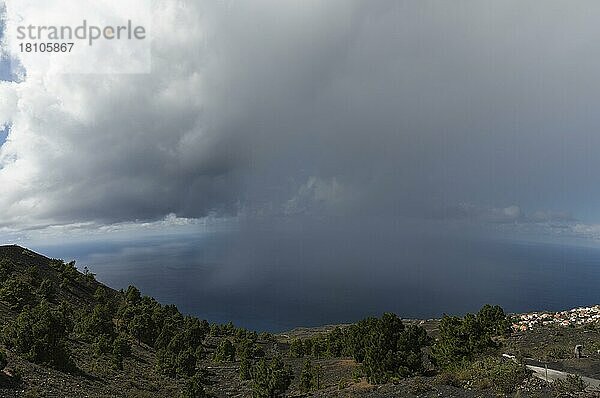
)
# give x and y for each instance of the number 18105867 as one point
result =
(46, 47)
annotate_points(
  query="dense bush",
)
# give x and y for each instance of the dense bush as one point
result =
(17, 294)
(46, 290)
(461, 339)
(384, 346)
(177, 338)
(225, 352)
(97, 322)
(569, 386)
(249, 348)
(319, 347)
(393, 350)
(307, 377)
(335, 342)
(266, 336)
(218, 330)
(40, 333)
(245, 369)
(270, 378)
(120, 349)
(176, 364)
(32, 274)
(493, 320)
(488, 372)
(296, 349)
(137, 318)
(194, 387)
(357, 336)
(6, 268)
(102, 345)
(68, 270)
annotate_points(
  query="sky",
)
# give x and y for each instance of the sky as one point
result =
(340, 119)
(343, 109)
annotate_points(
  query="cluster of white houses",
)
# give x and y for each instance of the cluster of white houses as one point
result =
(575, 317)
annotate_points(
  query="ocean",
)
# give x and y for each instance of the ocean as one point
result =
(276, 282)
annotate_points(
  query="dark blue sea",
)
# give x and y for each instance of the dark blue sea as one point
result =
(279, 281)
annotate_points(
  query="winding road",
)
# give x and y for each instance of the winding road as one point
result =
(551, 375)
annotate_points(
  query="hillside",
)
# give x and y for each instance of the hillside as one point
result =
(95, 375)
(64, 334)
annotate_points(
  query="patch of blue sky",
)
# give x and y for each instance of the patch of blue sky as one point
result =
(9, 66)
(4, 130)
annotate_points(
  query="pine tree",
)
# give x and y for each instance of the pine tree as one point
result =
(307, 377)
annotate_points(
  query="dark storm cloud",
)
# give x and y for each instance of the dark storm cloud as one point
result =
(411, 105)
(361, 108)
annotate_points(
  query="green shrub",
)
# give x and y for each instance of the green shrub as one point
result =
(96, 323)
(386, 348)
(68, 270)
(117, 361)
(174, 364)
(245, 369)
(357, 374)
(16, 293)
(270, 379)
(449, 377)
(46, 290)
(143, 328)
(186, 362)
(121, 346)
(166, 362)
(39, 333)
(488, 372)
(6, 269)
(266, 336)
(568, 386)
(307, 377)
(102, 345)
(225, 352)
(555, 351)
(65, 284)
(133, 295)
(319, 347)
(33, 393)
(460, 340)
(88, 277)
(101, 295)
(33, 276)
(296, 349)
(249, 348)
(194, 386)
(335, 342)
(120, 349)
(493, 320)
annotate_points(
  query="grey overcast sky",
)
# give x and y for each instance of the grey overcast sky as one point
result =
(277, 112)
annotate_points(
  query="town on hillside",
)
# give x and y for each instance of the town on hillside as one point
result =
(575, 317)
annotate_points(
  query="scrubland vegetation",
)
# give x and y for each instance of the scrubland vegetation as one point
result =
(56, 317)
